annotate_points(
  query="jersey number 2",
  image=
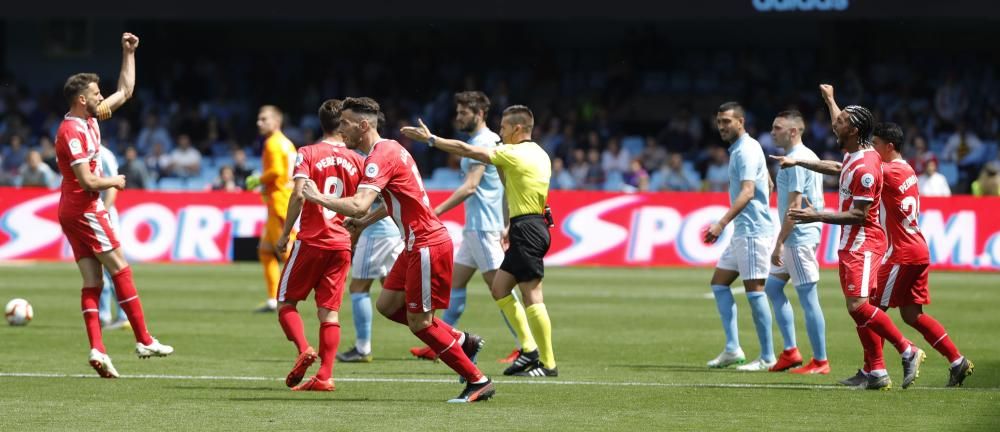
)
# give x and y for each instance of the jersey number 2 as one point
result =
(911, 208)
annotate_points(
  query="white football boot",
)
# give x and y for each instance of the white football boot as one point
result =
(727, 359)
(155, 349)
(102, 364)
(757, 365)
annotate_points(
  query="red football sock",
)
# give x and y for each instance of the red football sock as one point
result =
(449, 351)
(455, 333)
(400, 317)
(89, 299)
(872, 344)
(291, 324)
(873, 317)
(935, 335)
(128, 300)
(329, 338)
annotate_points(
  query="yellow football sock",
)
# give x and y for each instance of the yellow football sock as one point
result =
(514, 312)
(541, 328)
(272, 272)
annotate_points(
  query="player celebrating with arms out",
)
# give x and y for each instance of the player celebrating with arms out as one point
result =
(321, 256)
(82, 215)
(862, 241)
(420, 280)
(902, 279)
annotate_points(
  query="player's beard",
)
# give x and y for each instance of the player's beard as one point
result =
(91, 108)
(726, 136)
(467, 127)
(353, 141)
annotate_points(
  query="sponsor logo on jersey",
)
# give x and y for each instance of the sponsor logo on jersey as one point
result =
(371, 170)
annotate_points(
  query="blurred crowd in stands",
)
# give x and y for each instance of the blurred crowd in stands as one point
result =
(632, 124)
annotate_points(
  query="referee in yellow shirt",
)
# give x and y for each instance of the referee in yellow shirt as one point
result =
(526, 171)
(278, 159)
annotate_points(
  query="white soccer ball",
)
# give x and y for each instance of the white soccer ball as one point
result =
(18, 312)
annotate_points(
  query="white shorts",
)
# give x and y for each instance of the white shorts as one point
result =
(800, 263)
(374, 257)
(480, 250)
(750, 256)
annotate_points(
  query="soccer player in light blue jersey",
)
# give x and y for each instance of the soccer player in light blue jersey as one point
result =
(746, 256)
(109, 168)
(794, 255)
(482, 193)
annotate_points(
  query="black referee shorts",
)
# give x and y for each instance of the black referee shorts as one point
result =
(529, 242)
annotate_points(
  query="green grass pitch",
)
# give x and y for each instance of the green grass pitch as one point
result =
(631, 346)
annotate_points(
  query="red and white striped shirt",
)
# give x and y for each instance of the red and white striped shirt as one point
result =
(861, 180)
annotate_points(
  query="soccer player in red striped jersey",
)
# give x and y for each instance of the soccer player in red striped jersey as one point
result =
(902, 280)
(420, 280)
(862, 241)
(82, 215)
(321, 255)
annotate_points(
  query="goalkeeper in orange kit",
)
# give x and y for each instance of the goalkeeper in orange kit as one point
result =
(278, 158)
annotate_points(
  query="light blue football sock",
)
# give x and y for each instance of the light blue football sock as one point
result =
(727, 312)
(107, 297)
(762, 321)
(361, 308)
(455, 307)
(775, 289)
(815, 322)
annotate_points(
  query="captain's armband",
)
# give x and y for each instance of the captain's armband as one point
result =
(103, 111)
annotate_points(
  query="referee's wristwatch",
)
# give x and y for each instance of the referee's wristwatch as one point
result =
(431, 140)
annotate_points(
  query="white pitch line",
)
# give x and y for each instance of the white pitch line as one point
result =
(453, 381)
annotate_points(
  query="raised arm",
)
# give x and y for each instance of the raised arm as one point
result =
(126, 78)
(821, 166)
(826, 90)
(456, 147)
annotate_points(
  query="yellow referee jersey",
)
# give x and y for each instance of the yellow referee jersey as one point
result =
(526, 169)
(278, 161)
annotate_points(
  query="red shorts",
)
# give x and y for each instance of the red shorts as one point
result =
(89, 233)
(311, 268)
(859, 272)
(425, 275)
(901, 285)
